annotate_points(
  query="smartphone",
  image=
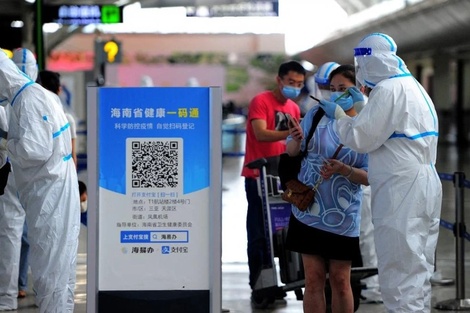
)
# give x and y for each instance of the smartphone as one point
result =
(324, 160)
(291, 121)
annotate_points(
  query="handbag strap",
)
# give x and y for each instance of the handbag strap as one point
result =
(316, 119)
(337, 151)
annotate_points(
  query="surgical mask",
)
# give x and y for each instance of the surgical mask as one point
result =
(346, 102)
(83, 206)
(290, 92)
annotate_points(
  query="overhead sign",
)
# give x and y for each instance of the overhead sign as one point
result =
(108, 51)
(82, 14)
(252, 8)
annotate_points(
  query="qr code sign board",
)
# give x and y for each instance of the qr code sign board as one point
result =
(155, 163)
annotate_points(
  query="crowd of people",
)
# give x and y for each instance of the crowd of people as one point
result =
(380, 195)
(371, 158)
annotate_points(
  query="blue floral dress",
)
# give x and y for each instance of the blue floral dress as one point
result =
(337, 204)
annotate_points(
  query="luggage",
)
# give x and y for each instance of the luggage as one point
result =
(291, 268)
(290, 262)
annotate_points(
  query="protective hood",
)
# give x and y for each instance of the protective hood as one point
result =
(324, 71)
(12, 80)
(25, 60)
(376, 59)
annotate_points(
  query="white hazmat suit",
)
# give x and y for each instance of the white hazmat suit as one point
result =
(11, 228)
(399, 129)
(40, 152)
(12, 213)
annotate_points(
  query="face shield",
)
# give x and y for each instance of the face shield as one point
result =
(359, 61)
(375, 60)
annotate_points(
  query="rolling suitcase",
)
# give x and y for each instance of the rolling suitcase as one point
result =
(291, 268)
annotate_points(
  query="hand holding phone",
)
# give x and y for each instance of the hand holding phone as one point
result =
(292, 121)
(294, 129)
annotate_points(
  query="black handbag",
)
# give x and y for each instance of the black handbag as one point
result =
(289, 166)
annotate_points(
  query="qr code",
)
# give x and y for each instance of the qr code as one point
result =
(155, 163)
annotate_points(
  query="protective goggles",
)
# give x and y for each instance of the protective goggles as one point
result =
(322, 81)
(362, 51)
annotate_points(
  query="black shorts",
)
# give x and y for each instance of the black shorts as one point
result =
(309, 240)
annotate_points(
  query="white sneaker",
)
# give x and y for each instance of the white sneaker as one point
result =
(371, 296)
(438, 280)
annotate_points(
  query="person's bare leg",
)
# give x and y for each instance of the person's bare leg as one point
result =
(342, 300)
(315, 277)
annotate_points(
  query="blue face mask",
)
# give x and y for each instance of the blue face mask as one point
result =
(345, 103)
(290, 92)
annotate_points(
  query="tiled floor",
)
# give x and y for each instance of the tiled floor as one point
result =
(236, 292)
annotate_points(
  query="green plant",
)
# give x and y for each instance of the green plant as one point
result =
(236, 77)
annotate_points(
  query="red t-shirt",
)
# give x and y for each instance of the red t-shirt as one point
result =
(265, 106)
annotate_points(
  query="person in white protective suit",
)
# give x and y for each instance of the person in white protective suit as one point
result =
(399, 129)
(26, 62)
(318, 86)
(39, 149)
(12, 218)
(371, 292)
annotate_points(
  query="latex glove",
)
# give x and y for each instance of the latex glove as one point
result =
(358, 98)
(3, 146)
(332, 109)
(3, 140)
(345, 102)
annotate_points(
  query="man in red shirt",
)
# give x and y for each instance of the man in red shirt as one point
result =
(266, 131)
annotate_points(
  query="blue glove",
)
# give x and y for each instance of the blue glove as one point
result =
(332, 109)
(357, 97)
(345, 102)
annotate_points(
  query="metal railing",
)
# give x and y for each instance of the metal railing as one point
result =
(460, 303)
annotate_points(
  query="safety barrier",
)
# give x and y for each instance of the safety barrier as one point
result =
(460, 302)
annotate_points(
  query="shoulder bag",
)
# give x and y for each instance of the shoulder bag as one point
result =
(296, 192)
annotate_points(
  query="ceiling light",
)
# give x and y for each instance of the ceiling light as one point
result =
(17, 24)
(51, 27)
(307, 65)
(30, 1)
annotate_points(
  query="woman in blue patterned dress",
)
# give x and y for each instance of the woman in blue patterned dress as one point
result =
(327, 233)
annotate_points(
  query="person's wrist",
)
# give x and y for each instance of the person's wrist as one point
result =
(340, 170)
(348, 175)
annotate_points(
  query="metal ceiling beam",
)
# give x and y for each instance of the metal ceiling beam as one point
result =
(422, 28)
(191, 3)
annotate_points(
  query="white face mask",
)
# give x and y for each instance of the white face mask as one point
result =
(83, 206)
